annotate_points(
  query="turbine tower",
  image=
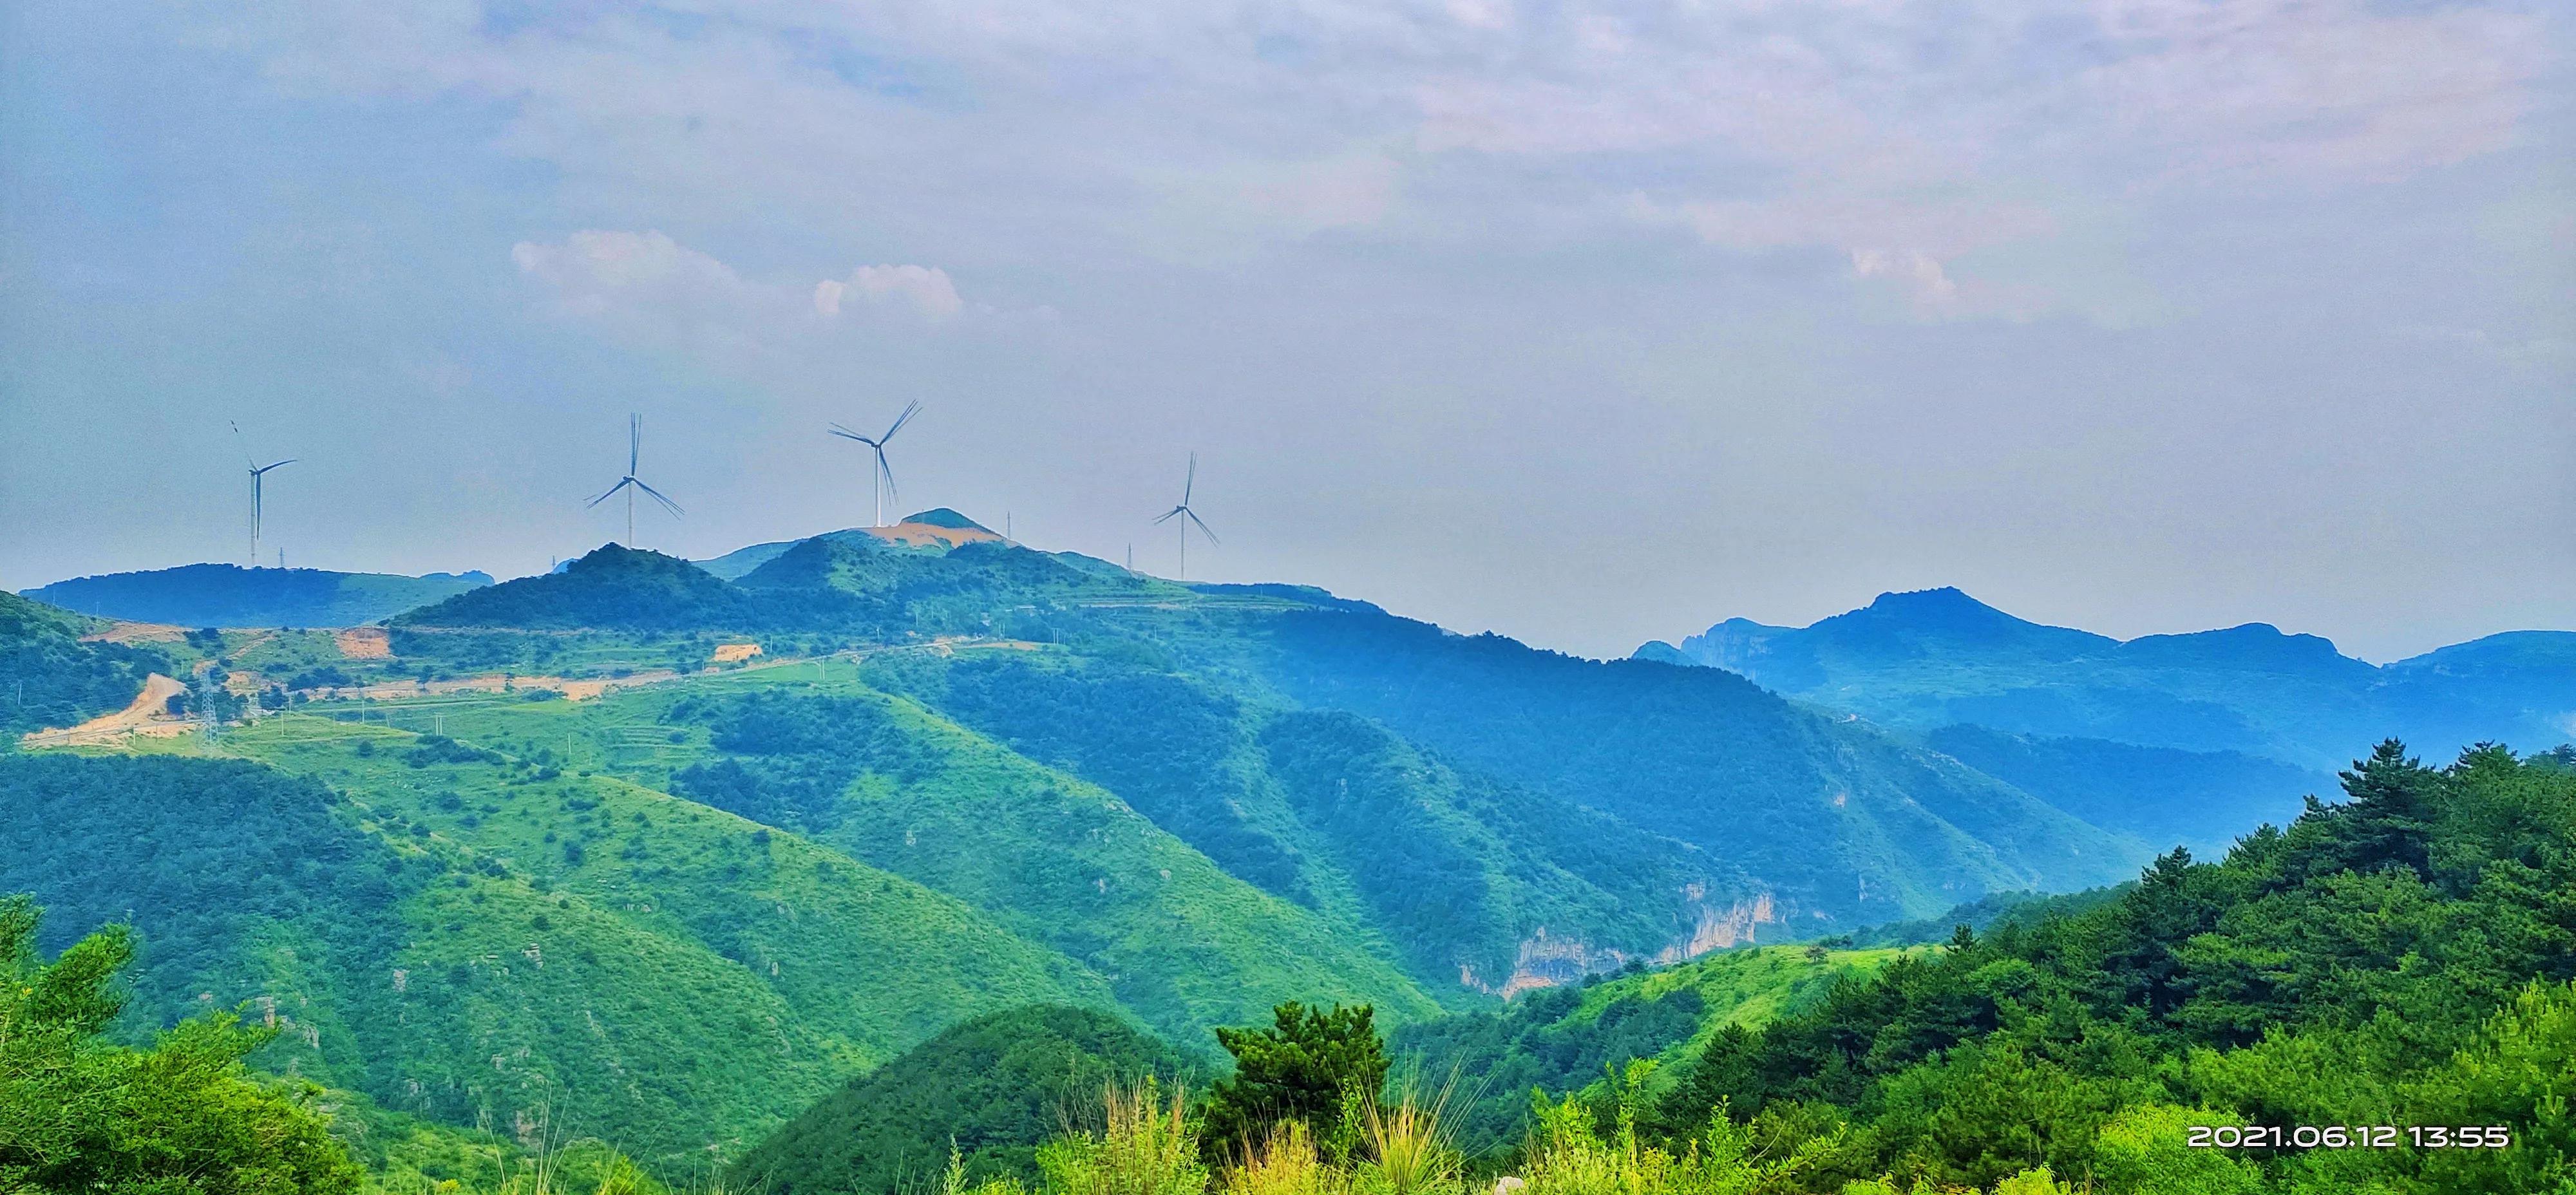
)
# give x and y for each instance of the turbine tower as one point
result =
(258, 474)
(1187, 517)
(881, 477)
(630, 483)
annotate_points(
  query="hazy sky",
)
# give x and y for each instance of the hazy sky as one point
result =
(1587, 321)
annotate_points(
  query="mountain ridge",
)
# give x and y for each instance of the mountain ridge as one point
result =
(228, 595)
(1917, 661)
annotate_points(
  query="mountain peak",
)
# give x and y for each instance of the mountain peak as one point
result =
(1945, 605)
(1947, 619)
(938, 527)
(613, 586)
(941, 516)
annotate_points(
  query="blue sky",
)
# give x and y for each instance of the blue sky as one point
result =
(1587, 322)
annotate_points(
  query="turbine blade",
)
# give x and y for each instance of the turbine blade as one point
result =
(634, 441)
(611, 493)
(1203, 527)
(899, 421)
(1167, 515)
(656, 495)
(847, 434)
(243, 442)
(1193, 482)
(883, 469)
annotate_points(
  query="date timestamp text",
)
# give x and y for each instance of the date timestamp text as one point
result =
(2338, 1136)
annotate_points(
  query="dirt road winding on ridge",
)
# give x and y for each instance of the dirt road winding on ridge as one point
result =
(149, 711)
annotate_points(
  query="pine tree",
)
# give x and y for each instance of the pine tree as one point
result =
(1309, 1067)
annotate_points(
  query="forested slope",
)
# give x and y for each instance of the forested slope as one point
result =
(51, 677)
(1182, 942)
(991, 1089)
(2401, 958)
(424, 975)
(1835, 818)
(1332, 810)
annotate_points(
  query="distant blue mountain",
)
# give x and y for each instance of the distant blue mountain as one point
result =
(1938, 658)
(228, 595)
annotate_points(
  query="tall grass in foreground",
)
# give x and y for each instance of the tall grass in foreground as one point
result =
(1146, 1142)
(1411, 1145)
(1148, 1145)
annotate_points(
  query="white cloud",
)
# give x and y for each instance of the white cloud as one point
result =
(926, 289)
(594, 271)
(983, 133)
(652, 288)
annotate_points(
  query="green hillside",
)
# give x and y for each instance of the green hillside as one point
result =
(1332, 811)
(868, 962)
(683, 958)
(611, 588)
(400, 965)
(51, 678)
(1841, 823)
(2401, 958)
(2404, 958)
(991, 1089)
(228, 595)
(1567, 1039)
(1181, 942)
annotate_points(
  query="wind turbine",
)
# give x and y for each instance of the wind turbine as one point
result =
(880, 478)
(258, 474)
(630, 483)
(1187, 518)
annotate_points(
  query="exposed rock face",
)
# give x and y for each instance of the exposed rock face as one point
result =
(1545, 961)
(1718, 930)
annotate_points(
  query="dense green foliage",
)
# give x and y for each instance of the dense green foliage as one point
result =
(81, 1113)
(1831, 817)
(1567, 1039)
(1317, 1067)
(1185, 945)
(2401, 958)
(228, 595)
(992, 1089)
(691, 981)
(1333, 811)
(50, 678)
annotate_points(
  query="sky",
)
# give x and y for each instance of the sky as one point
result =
(1584, 321)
